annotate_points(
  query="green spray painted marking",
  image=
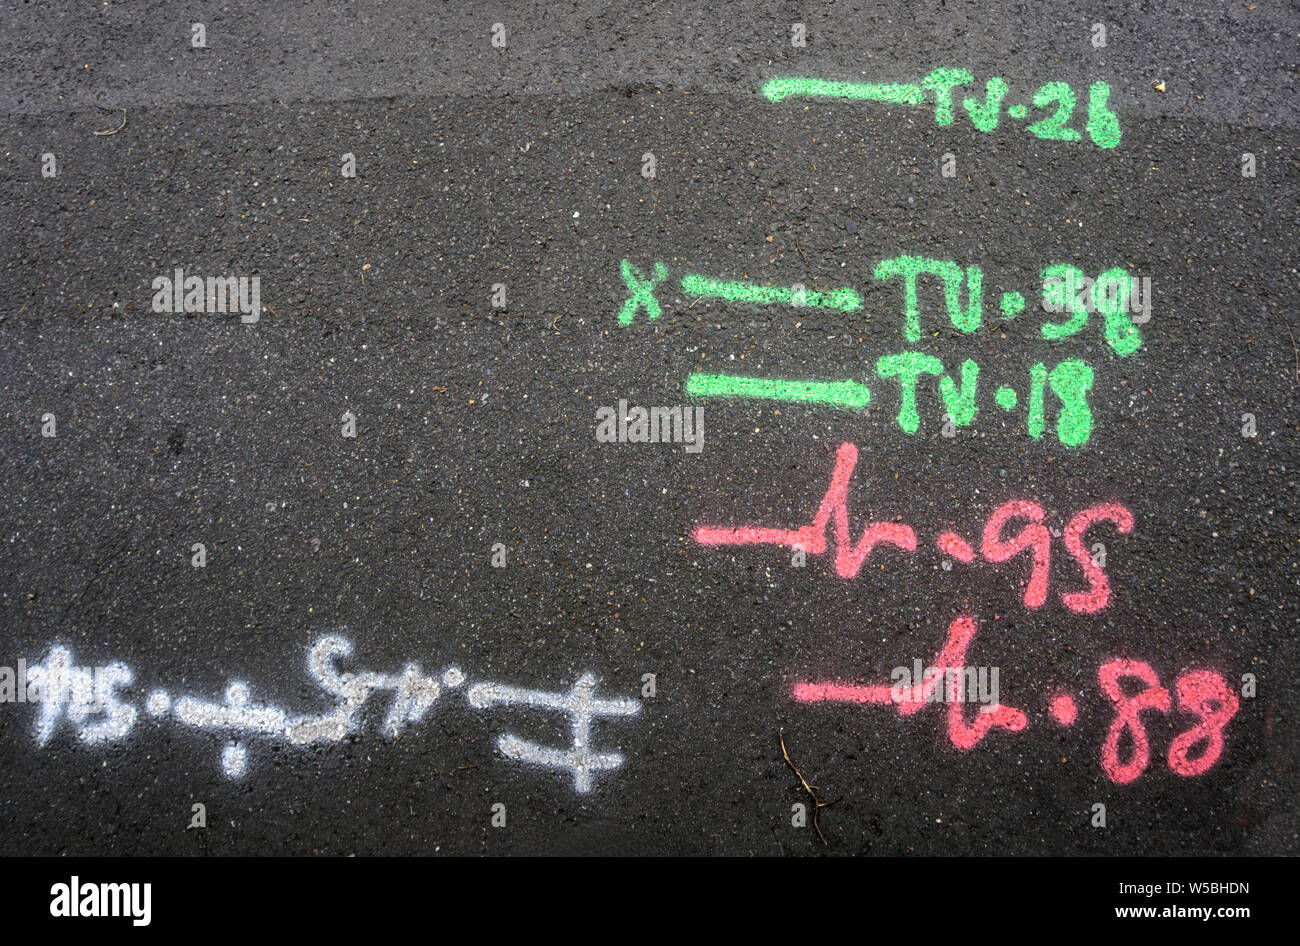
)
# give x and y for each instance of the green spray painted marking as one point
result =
(1013, 303)
(1121, 334)
(696, 285)
(1070, 381)
(844, 394)
(984, 116)
(941, 82)
(907, 367)
(1061, 292)
(1103, 124)
(910, 267)
(1037, 378)
(961, 403)
(1110, 295)
(774, 90)
(1053, 127)
(641, 292)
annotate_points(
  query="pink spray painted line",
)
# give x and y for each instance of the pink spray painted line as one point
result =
(950, 543)
(1033, 541)
(1033, 537)
(912, 699)
(849, 556)
(842, 693)
(1098, 594)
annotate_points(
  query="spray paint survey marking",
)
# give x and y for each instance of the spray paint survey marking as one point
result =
(641, 293)
(1033, 540)
(581, 705)
(1056, 99)
(1202, 694)
(738, 291)
(91, 705)
(1070, 382)
(1123, 301)
(843, 394)
(1120, 299)
(907, 700)
(774, 90)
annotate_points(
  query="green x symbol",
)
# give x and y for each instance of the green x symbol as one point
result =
(641, 292)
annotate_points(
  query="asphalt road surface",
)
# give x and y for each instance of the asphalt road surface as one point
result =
(476, 522)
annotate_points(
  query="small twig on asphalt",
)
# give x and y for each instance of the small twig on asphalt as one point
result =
(818, 804)
(800, 249)
(114, 131)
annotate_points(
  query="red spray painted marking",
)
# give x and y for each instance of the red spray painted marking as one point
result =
(1098, 594)
(953, 545)
(916, 697)
(1063, 709)
(812, 538)
(1205, 695)
(841, 693)
(1200, 693)
(850, 556)
(995, 549)
(1127, 708)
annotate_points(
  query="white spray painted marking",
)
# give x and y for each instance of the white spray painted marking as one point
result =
(236, 714)
(234, 759)
(83, 697)
(413, 694)
(582, 707)
(89, 701)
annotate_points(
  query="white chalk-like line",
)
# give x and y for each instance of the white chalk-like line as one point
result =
(78, 694)
(580, 762)
(581, 705)
(236, 714)
(413, 694)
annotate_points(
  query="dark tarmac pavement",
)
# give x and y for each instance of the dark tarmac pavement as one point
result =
(475, 425)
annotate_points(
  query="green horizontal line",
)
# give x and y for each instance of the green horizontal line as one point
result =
(844, 394)
(774, 90)
(740, 291)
